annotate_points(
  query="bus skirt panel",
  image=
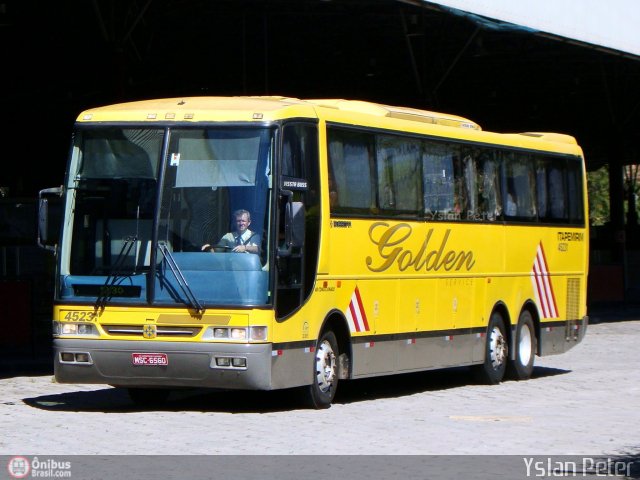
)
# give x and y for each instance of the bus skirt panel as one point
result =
(559, 336)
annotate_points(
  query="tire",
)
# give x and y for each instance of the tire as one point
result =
(148, 397)
(496, 356)
(321, 392)
(521, 367)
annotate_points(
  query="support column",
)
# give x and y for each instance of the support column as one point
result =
(616, 209)
(616, 193)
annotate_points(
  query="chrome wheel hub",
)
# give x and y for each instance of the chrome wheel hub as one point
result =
(325, 366)
(497, 348)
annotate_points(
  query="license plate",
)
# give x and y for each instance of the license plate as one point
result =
(150, 359)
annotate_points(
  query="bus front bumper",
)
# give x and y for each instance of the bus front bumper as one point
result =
(163, 364)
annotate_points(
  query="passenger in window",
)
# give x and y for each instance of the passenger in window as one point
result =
(241, 240)
(457, 204)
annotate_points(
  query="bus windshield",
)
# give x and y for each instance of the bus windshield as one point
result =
(139, 231)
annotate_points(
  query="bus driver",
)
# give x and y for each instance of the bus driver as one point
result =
(241, 239)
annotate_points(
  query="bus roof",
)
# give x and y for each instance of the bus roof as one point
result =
(200, 109)
(269, 108)
(257, 109)
(404, 113)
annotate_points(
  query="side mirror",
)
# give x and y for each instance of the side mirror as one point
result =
(49, 217)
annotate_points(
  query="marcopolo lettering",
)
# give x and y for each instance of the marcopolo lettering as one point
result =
(433, 255)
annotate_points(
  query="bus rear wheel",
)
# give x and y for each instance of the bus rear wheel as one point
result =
(496, 352)
(321, 392)
(521, 367)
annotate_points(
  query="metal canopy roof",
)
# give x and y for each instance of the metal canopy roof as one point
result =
(610, 25)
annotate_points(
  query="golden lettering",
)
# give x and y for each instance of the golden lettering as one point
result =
(390, 240)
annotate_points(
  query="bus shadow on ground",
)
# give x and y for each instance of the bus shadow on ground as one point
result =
(420, 382)
(116, 400)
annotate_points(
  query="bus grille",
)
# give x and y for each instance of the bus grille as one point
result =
(573, 298)
(161, 331)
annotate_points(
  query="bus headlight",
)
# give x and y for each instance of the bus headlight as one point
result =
(221, 332)
(253, 334)
(238, 333)
(84, 329)
(258, 334)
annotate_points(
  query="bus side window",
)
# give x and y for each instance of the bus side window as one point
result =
(351, 160)
(551, 190)
(519, 185)
(542, 191)
(398, 163)
(574, 192)
(465, 191)
(437, 178)
(557, 189)
(469, 193)
(333, 191)
(490, 205)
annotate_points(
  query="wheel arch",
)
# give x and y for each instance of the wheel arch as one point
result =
(501, 308)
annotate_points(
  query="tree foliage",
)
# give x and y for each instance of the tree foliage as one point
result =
(598, 190)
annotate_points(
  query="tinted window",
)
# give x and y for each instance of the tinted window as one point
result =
(519, 187)
(377, 174)
(398, 165)
(351, 169)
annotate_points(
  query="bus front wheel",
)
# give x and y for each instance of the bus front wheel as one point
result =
(325, 372)
(496, 352)
(521, 367)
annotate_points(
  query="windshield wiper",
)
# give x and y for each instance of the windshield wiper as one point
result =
(192, 300)
(115, 272)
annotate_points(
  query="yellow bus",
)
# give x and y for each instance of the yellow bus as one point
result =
(271, 242)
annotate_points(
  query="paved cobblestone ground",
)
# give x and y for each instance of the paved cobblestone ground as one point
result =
(584, 402)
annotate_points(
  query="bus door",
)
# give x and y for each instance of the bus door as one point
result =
(298, 217)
